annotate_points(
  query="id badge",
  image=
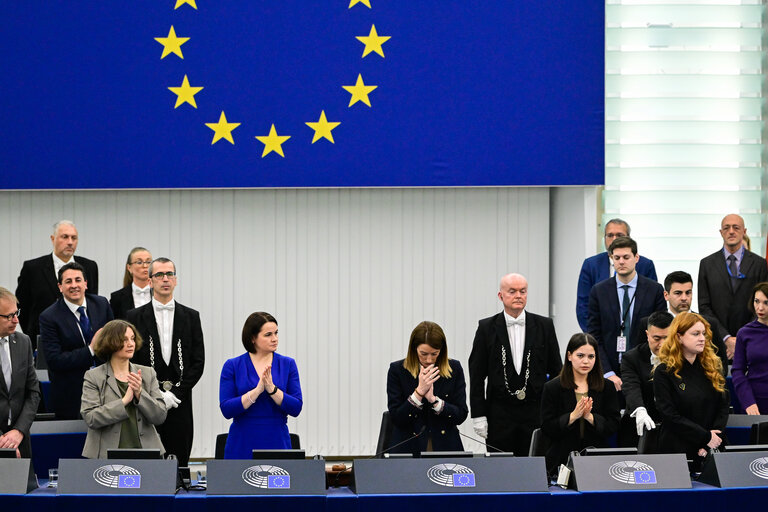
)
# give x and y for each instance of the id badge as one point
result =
(621, 343)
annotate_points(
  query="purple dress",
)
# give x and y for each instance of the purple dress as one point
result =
(750, 366)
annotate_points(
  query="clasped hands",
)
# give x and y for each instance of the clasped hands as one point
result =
(265, 383)
(714, 442)
(583, 409)
(134, 387)
(12, 439)
(427, 378)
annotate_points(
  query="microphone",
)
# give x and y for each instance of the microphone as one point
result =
(414, 436)
(479, 441)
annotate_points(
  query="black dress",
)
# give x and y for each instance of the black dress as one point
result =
(557, 403)
(689, 407)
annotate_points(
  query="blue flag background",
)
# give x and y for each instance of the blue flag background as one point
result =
(490, 93)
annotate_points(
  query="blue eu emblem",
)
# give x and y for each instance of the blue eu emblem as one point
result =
(129, 482)
(279, 482)
(645, 477)
(463, 480)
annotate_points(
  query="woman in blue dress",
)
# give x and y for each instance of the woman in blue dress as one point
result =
(258, 390)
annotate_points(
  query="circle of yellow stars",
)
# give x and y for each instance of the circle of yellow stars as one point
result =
(273, 142)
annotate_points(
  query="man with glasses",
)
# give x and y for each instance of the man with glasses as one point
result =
(37, 288)
(173, 346)
(600, 267)
(726, 279)
(66, 337)
(19, 388)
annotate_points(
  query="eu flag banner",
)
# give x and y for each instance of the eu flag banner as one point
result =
(129, 482)
(645, 477)
(463, 480)
(297, 93)
(278, 482)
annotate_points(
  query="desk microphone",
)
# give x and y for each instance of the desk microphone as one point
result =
(414, 436)
(481, 442)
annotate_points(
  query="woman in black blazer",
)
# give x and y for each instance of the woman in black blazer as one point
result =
(579, 408)
(426, 394)
(136, 276)
(690, 393)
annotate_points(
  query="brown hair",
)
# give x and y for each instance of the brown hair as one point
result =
(112, 338)
(431, 334)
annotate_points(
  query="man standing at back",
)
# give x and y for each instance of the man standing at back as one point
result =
(726, 279)
(617, 305)
(37, 285)
(173, 346)
(66, 335)
(600, 267)
(516, 351)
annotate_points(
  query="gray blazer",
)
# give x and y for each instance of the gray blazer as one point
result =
(103, 411)
(24, 396)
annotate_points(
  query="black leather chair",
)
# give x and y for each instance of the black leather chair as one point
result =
(540, 443)
(758, 433)
(221, 442)
(649, 442)
(385, 434)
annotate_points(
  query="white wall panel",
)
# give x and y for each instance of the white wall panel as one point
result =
(347, 273)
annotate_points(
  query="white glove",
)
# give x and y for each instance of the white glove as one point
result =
(642, 419)
(171, 402)
(481, 426)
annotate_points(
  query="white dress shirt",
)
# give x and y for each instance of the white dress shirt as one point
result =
(141, 296)
(516, 335)
(164, 319)
(58, 263)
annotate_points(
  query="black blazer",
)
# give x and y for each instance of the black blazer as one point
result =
(605, 316)
(187, 328)
(637, 384)
(689, 408)
(493, 400)
(557, 403)
(715, 295)
(38, 288)
(408, 419)
(66, 352)
(121, 302)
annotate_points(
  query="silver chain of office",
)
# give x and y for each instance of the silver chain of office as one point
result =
(166, 384)
(520, 393)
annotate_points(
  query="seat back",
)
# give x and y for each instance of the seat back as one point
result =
(540, 443)
(385, 434)
(758, 433)
(649, 442)
(221, 442)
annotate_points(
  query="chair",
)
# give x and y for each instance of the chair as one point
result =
(40, 362)
(221, 442)
(758, 433)
(648, 442)
(540, 443)
(385, 434)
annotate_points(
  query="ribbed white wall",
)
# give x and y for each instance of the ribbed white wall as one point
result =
(347, 273)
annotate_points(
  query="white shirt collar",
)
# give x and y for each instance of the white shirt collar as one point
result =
(136, 289)
(508, 318)
(73, 307)
(156, 304)
(58, 262)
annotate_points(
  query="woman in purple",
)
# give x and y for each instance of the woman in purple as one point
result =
(750, 361)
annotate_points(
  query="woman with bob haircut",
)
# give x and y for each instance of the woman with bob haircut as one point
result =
(689, 389)
(750, 359)
(121, 401)
(258, 390)
(426, 393)
(579, 408)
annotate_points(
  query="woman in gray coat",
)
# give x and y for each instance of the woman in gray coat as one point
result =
(121, 402)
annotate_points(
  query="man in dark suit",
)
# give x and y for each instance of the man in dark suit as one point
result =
(173, 346)
(516, 352)
(66, 335)
(616, 306)
(726, 279)
(37, 288)
(637, 386)
(600, 267)
(19, 388)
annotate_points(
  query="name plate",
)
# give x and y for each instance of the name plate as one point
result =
(117, 476)
(736, 469)
(13, 476)
(630, 472)
(266, 477)
(450, 475)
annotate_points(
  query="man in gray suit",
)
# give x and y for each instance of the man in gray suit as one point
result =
(726, 279)
(19, 388)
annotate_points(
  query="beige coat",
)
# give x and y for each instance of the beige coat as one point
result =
(103, 410)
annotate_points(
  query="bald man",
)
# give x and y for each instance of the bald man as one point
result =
(514, 353)
(726, 279)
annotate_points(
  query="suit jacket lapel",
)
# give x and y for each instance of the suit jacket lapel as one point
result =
(111, 380)
(49, 275)
(151, 323)
(179, 320)
(746, 265)
(721, 271)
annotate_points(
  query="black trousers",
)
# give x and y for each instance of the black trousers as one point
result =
(178, 432)
(511, 425)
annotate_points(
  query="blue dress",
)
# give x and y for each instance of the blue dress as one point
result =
(264, 424)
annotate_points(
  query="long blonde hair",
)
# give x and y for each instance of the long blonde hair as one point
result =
(433, 335)
(671, 352)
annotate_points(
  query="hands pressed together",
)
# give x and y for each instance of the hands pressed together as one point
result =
(583, 409)
(134, 387)
(427, 378)
(265, 384)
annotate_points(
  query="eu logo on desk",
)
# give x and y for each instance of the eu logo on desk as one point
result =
(463, 480)
(279, 482)
(129, 482)
(645, 477)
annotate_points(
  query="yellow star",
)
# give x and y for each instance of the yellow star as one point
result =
(272, 142)
(171, 44)
(359, 91)
(373, 42)
(179, 3)
(222, 129)
(185, 93)
(322, 128)
(364, 2)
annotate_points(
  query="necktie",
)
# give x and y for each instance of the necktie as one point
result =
(5, 362)
(85, 325)
(734, 270)
(625, 312)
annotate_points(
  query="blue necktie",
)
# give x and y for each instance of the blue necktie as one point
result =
(85, 325)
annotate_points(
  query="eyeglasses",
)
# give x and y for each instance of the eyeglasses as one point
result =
(160, 275)
(142, 263)
(12, 315)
